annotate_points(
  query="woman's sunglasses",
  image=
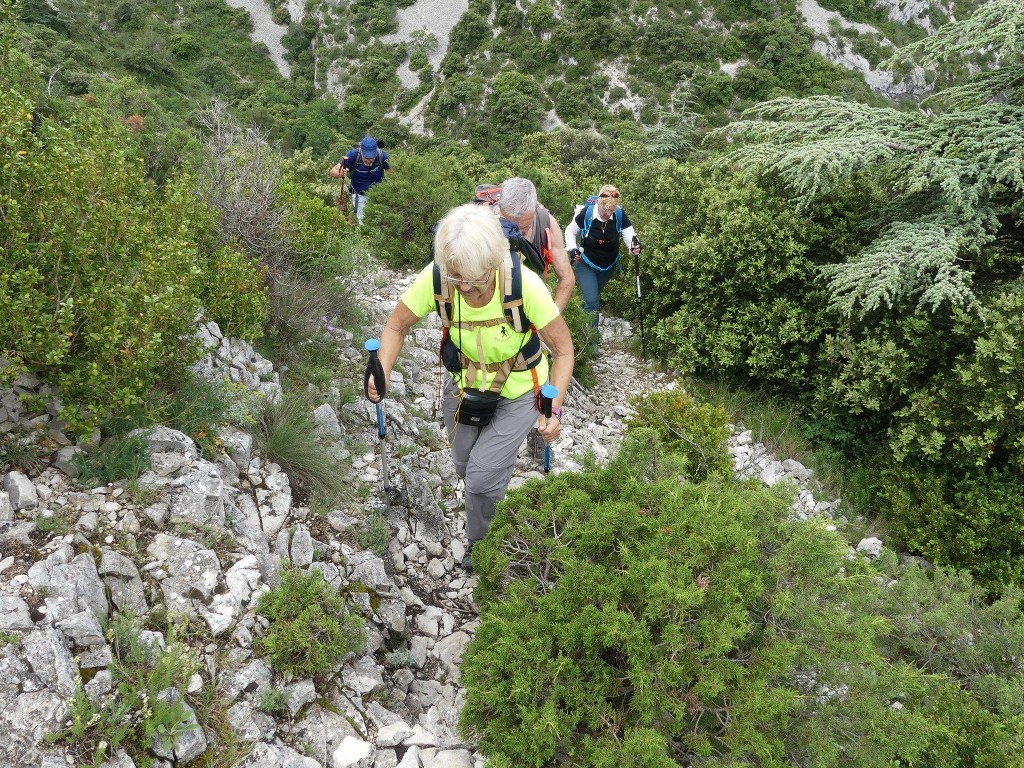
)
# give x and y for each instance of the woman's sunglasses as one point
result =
(609, 194)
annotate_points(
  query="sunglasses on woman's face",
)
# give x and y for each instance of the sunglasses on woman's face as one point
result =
(609, 194)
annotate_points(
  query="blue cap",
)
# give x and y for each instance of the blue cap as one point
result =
(368, 147)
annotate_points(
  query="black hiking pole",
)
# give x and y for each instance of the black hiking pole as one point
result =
(547, 393)
(376, 370)
(639, 299)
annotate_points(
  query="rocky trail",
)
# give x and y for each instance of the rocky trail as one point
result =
(206, 537)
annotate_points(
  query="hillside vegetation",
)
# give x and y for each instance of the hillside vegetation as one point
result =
(805, 243)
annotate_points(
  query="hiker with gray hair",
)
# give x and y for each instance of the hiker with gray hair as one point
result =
(490, 397)
(519, 204)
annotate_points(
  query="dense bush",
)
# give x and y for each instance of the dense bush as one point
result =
(972, 521)
(730, 271)
(401, 211)
(103, 275)
(311, 629)
(696, 432)
(630, 620)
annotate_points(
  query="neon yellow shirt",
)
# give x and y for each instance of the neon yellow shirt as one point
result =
(500, 342)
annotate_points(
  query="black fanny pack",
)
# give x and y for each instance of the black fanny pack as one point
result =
(476, 408)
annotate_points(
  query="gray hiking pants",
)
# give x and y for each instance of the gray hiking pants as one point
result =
(485, 456)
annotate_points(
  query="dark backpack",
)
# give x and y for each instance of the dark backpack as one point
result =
(358, 162)
(527, 251)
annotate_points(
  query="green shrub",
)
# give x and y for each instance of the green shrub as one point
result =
(944, 623)
(374, 533)
(310, 628)
(416, 195)
(972, 522)
(273, 702)
(697, 433)
(103, 275)
(630, 620)
(23, 449)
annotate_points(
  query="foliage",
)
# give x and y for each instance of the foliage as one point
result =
(374, 534)
(401, 211)
(311, 629)
(630, 620)
(138, 713)
(696, 432)
(22, 449)
(55, 524)
(729, 272)
(116, 459)
(273, 702)
(971, 522)
(945, 384)
(945, 624)
(954, 175)
(102, 275)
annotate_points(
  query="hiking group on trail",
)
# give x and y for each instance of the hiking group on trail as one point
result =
(505, 344)
(364, 166)
(495, 315)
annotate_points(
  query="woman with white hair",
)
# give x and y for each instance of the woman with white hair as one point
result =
(491, 393)
(597, 228)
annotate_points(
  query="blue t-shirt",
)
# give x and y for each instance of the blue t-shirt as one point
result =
(362, 177)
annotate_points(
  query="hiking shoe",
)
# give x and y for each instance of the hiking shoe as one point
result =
(467, 559)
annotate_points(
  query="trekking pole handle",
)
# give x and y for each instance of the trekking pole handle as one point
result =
(374, 369)
(547, 393)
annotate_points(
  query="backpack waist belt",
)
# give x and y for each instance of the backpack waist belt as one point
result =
(594, 266)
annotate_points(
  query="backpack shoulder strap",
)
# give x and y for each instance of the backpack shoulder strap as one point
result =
(442, 297)
(588, 219)
(618, 219)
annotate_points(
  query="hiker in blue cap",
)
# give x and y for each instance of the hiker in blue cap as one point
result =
(364, 165)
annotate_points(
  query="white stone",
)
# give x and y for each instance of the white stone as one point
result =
(353, 753)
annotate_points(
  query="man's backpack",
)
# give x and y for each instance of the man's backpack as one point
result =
(487, 194)
(527, 251)
(358, 162)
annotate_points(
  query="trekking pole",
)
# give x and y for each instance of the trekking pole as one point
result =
(639, 298)
(547, 393)
(376, 370)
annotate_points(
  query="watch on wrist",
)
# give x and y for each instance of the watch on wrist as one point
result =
(556, 412)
